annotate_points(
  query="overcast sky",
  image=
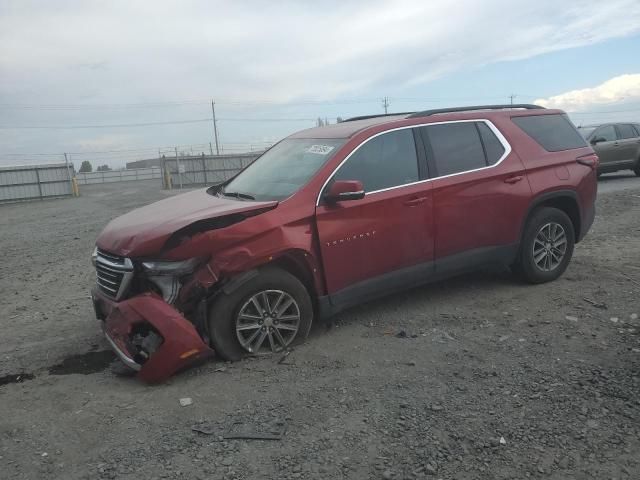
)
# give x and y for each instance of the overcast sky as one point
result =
(123, 67)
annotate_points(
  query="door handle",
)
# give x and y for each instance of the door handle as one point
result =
(415, 201)
(514, 179)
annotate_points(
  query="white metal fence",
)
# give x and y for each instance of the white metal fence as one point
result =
(31, 182)
(109, 176)
(205, 169)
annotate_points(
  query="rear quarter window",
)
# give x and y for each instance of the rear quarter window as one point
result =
(626, 131)
(554, 133)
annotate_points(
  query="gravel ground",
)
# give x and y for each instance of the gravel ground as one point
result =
(479, 377)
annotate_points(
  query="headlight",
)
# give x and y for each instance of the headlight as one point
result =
(175, 269)
(94, 256)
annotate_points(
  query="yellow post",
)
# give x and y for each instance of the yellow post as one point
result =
(74, 187)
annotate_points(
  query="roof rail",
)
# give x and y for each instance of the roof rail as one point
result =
(365, 117)
(426, 113)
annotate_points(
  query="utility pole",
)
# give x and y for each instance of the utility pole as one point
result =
(211, 149)
(385, 104)
(511, 97)
(215, 126)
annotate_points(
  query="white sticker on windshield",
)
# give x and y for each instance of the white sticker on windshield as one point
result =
(319, 149)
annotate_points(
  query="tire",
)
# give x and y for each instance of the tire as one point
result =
(547, 265)
(224, 315)
(636, 169)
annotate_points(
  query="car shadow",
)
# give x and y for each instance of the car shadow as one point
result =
(413, 299)
(612, 177)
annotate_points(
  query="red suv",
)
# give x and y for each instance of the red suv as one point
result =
(333, 216)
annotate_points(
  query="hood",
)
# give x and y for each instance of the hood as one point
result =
(145, 230)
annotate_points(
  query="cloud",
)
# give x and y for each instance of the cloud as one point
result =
(278, 50)
(124, 51)
(620, 89)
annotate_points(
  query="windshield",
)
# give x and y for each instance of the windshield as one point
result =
(283, 169)
(586, 131)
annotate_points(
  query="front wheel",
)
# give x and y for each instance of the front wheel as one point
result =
(269, 313)
(636, 169)
(547, 246)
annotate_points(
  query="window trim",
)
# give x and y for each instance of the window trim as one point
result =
(489, 123)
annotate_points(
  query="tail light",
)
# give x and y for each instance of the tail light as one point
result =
(590, 160)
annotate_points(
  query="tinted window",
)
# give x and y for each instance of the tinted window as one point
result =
(386, 161)
(607, 132)
(456, 147)
(553, 132)
(492, 146)
(626, 131)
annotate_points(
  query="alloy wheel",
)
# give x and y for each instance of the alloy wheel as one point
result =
(268, 321)
(549, 246)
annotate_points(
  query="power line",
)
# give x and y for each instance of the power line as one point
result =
(180, 103)
(283, 103)
(149, 124)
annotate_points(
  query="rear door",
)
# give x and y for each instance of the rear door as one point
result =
(627, 142)
(363, 242)
(480, 193)
(608, 149)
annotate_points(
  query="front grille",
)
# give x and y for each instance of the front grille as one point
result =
(114, 274)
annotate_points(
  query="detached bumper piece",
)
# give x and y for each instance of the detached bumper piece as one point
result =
(153, 338)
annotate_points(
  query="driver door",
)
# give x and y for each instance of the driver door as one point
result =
(384, 240)
(608, 149)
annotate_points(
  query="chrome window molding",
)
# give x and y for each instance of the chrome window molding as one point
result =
(489, 123)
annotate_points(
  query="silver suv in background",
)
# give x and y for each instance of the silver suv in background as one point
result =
(617, 145)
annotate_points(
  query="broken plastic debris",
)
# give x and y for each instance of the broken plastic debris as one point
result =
(185, 401)
(571, 318)
(502, 441)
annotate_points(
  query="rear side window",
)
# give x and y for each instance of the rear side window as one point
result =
(626, 131)
(492, 146)
(608, 133)
(554, 133)
(456, 147)
(388, 160)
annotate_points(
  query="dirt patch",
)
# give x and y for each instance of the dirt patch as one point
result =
(16, 378)
(478, 377)
(84, 364)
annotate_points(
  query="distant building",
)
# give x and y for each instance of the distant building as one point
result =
(151, 162)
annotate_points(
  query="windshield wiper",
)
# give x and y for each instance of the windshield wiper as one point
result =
(245, 196)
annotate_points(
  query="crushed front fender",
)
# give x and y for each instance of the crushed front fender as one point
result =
(153, 338)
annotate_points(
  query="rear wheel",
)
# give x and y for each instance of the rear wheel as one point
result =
(268, 313)
(547, 246)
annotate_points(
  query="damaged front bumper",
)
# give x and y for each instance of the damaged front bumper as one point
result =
(149, 335)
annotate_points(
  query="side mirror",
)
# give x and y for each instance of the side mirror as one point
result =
(598, 140)
(343, 190)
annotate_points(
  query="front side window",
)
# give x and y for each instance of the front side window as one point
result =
(283, 169)
(388, 160)
(626, 131)
(456, 147)
(586, 131)
(606, 134)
